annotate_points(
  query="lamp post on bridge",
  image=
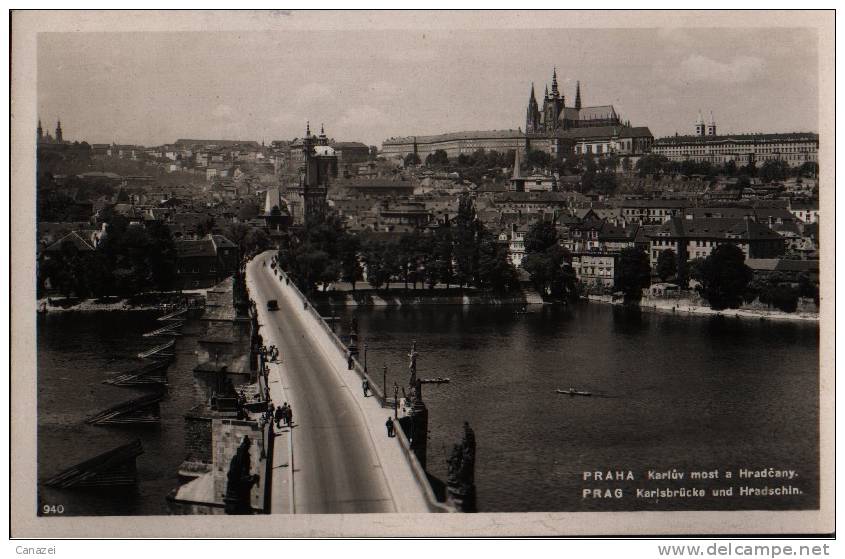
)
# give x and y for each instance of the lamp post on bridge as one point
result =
(365, 357)
(384, 381)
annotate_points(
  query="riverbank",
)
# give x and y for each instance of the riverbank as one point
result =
(144, 302)
(685, 306)
(419, 297)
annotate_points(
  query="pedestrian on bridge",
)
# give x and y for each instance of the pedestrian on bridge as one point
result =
(288, 415)
(390, 426)
(279, 416)
(366, 386)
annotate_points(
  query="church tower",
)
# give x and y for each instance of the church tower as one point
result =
(315, 179)
(711, 126)
(532, 116)
(578, 96)
(59, 132)
(40, 131)
(699, 125)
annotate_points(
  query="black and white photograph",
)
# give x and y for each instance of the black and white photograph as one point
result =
(345, 273)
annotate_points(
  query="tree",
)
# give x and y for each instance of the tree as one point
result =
(540, 237)
(652, 164)
(634, 274)
(626, 164)
(412, 159)
(784, 298)
(495, 271)
(809, 169)
(725, 277)
(437, 159)
(547, 263)
(466, 242)
(667, 264)
(350, 264)
(537, 158)
(605, 183)
(249, 210)
(774, 170)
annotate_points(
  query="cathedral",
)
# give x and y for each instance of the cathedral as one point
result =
(555, 116)
(47, 138)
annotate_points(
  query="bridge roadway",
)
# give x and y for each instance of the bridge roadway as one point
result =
(339, 440)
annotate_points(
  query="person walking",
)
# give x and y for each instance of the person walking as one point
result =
(289, 416)
(279, 416)
(390, 426)
(366, 386)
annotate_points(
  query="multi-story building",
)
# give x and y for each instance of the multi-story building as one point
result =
(795, 148)
(697, 237)
(455, 143)
(651, 212)
(806, 212)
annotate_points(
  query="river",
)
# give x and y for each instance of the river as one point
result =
(76, 352)
(690, 393)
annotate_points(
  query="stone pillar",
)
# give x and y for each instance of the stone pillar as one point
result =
(419, 431)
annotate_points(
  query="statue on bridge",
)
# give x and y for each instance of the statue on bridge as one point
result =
(414, 385)
(238, 499)
(461, 478)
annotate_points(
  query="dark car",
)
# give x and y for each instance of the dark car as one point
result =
(272, 305)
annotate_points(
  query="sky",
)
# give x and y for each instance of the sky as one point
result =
(152, 88)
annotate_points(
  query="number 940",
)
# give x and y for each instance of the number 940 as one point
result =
(53, 509)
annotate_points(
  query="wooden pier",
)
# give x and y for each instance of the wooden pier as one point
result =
(143, 410)
(113, 468)
(173, 315)
(156, 349)
(154, 373)
(168, 330)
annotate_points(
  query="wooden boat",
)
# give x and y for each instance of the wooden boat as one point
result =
(573, 392)
(436, 380)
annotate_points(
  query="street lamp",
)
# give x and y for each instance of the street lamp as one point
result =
(384, 382)
(365, 357)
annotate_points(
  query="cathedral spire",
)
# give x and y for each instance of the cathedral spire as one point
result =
(307, 129)
(546, 96)
(531, 99)
(578, 95)
(555, 91)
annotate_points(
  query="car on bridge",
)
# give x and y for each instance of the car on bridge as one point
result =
(272, 305)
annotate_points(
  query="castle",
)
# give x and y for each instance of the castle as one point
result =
(556, 116)
(556, 129)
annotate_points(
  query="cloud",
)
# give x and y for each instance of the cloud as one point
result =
(364, 122)
(223, 112)
(383, 90)
(741, 69)
(311, 92)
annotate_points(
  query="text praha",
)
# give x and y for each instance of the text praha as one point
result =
(674, 483)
